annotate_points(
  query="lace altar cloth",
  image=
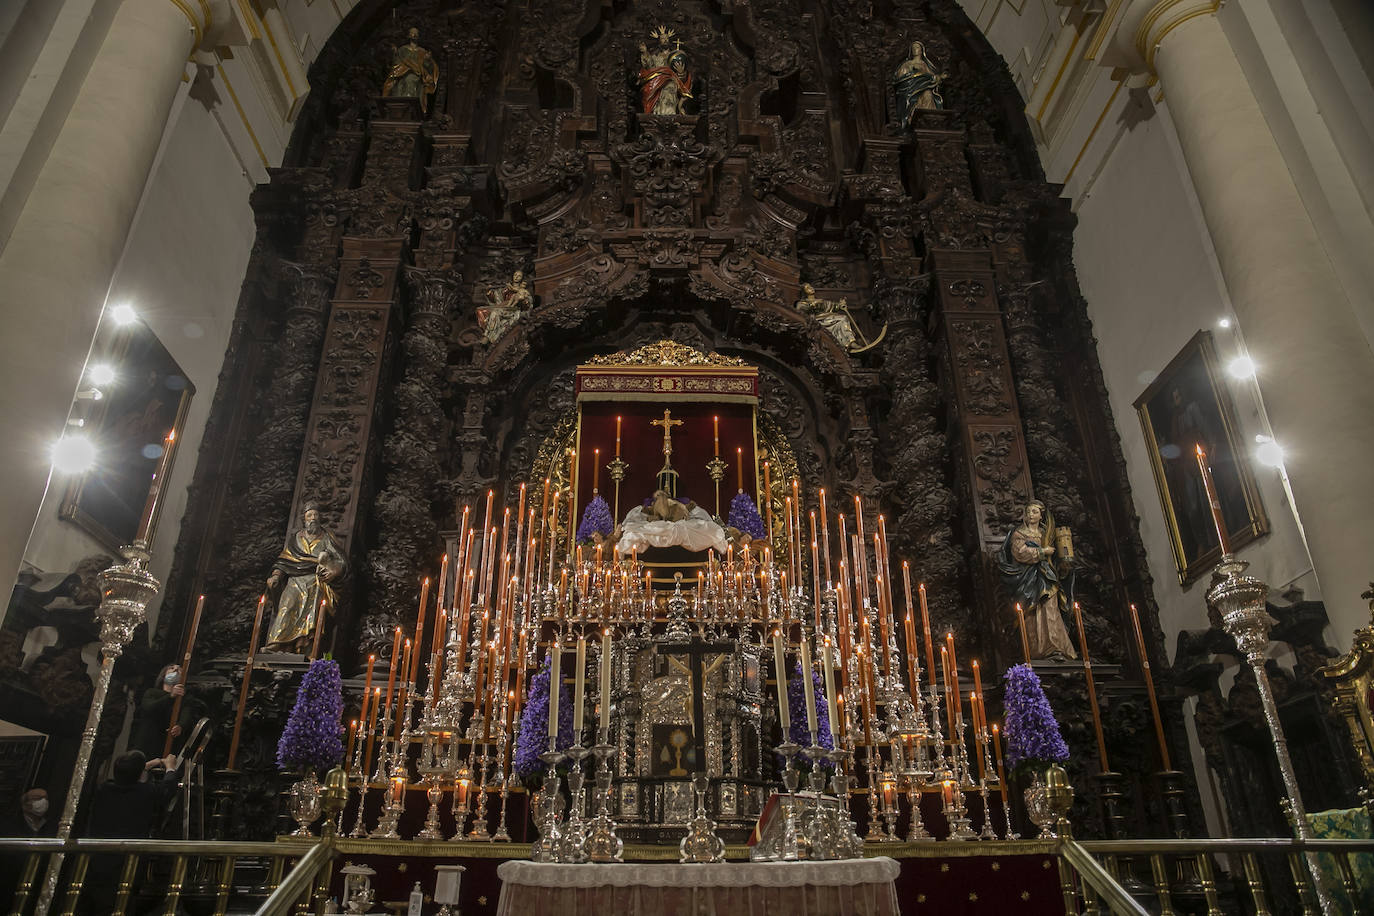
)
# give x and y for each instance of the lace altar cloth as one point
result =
(696, 532)
(862, 887)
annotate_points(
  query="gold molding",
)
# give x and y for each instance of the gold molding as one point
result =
(664, 353)
(243, 116)
(1092, 133)
(1162, 19)
(199, 26)
(1063, 68)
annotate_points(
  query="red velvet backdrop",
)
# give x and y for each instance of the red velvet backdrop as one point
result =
(641, 446)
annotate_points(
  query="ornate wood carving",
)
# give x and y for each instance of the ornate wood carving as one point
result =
(699, 228)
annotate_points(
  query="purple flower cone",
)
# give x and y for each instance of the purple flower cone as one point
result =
(1033, 738)
(313, 738)
(796, 707)
(533, 739)
(596, 519)
(744, 516)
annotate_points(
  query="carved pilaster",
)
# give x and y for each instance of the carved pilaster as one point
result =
(339, 436)
(404, 513)
(925, 504)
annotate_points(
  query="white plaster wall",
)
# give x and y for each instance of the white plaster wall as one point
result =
(182, 270)
(1147, 271)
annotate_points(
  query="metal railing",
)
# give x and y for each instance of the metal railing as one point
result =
(1259, 876)
(190, 868)
(1100, 876)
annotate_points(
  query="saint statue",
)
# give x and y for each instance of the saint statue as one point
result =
(505, 308)
(1029, 574)
(665, 83)
(917, 85)
(311, 560)
(413, 73)
(833, 316)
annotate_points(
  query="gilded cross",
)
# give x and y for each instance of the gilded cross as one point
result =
(667, 423)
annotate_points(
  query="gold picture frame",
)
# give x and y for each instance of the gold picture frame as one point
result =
(1186, 405)
(1352, 676)
(150, 397)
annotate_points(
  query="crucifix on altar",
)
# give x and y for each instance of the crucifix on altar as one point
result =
(667, 477)
(674, 422)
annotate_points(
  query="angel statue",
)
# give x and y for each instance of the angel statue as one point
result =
(413, 73)
(1026, 565)
(917, 85)
(310, 561)
(665, 83)
(505, 307)
(833, 316)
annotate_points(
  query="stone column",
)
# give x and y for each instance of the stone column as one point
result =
(56, 266)
(1316, 371)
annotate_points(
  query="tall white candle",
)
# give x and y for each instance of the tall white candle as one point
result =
(555, 682)
(780, 668)
(605, 724)
(809, 689)
(579, 688)
(828, 665)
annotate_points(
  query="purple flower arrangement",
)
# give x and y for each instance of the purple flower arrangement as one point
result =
(313, 738)
(1033, 738)
(799, 734)
(596, 519)
(744, 516)
(533, 739)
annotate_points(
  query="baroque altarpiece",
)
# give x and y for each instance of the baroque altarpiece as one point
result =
(430, 271)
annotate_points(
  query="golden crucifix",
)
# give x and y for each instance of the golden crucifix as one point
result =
(667, 423)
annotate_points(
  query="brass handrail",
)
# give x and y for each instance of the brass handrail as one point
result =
(1223, 846)
(209, 848)
(1097, 877)
(300, 879)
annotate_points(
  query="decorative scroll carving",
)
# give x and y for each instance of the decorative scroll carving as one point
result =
(632, 229)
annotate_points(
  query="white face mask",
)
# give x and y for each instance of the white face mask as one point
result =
(172, 677)
(36, 806)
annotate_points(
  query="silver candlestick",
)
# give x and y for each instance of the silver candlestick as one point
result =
(125, 592)
(848, 845)
(479, 831)
(548, 848)
(701, 844)
(575, 831)
(1241, 600)
(434, 794)
(916, 831)
(820, 839)
(790, 779)
(603, 845)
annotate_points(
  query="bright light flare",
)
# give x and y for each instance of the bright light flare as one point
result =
(74, 453)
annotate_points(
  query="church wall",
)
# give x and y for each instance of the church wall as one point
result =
(182, 270)
(1141, 247)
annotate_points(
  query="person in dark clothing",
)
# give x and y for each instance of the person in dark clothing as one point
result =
(33, 819)
(154, 714)
(130, 805)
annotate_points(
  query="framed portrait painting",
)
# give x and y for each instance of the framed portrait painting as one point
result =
(1189, 405)
(148, 398)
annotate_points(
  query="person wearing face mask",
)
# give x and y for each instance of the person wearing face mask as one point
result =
(32, 819)
(153, 717)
